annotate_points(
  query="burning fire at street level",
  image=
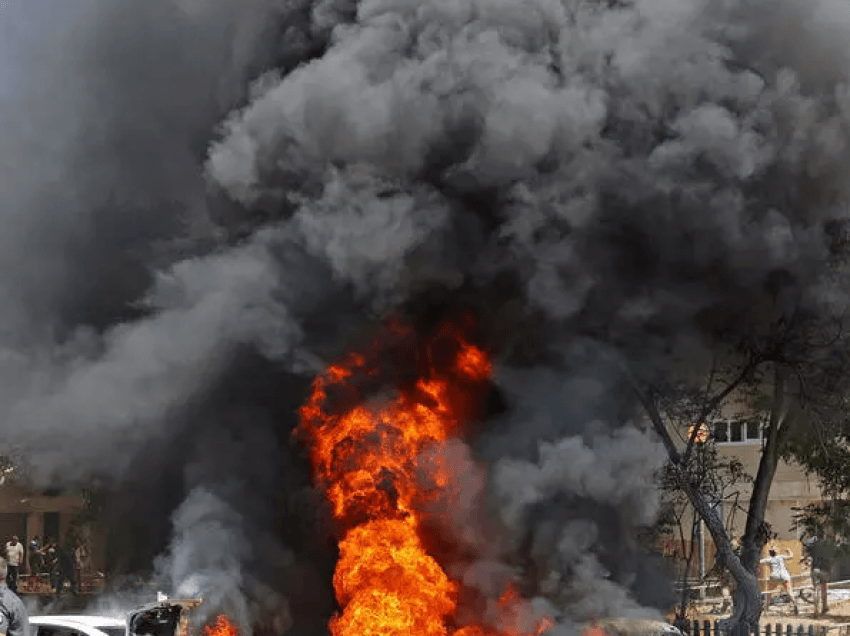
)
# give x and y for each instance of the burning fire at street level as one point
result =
(368, 459)
(221, 627)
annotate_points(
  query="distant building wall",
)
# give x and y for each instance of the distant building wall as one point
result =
(791, 489)
(29, 514)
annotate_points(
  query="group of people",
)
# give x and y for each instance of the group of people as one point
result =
(59, 561)
(46, 557)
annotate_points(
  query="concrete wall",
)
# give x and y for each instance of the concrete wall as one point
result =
(791, 489)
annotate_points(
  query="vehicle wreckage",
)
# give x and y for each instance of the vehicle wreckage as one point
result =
(166, 617)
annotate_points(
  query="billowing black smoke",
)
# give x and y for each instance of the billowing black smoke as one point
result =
(204, 202)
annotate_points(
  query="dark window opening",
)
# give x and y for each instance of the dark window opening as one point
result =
(753, 429)
(51, 525)
(736, 432)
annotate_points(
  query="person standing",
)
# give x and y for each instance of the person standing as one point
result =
(64, 569)
(49, 551)
(779, 574)
(14, 620)
(81, 555)
(818, 556)
(36, 556)
(14, 559)
(51, 562)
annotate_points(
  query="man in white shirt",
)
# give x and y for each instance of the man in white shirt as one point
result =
(14, 558)
(779, 574)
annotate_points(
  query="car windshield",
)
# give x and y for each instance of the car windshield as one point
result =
(111, 630)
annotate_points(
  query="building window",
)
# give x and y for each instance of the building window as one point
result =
(737, 431)
(754, 430)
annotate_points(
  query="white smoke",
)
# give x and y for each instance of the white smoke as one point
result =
(207, 556)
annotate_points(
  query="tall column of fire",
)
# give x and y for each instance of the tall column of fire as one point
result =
(365, 458)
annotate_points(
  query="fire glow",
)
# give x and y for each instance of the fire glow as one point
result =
(368, 459)
(221, 627)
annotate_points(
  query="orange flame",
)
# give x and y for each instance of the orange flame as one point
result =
(368, 459)
(544, 625)
(222, 627)
(595, 630)
(509, 604)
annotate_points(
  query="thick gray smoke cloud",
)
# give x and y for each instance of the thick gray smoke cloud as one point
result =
(618, 470)
(563, 503)
(202, 201)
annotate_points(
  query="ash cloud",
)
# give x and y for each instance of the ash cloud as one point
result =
(203, 204)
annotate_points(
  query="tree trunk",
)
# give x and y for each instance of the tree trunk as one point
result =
(686, 591)
(755, 534)
(747, 605)
(747, 597)
(747, 601)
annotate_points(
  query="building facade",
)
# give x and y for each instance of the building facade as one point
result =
(30, 514)
(790, 490)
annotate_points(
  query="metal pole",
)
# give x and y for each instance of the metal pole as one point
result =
(701, 539)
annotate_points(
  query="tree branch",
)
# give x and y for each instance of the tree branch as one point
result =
(657, 422)
(712, 404)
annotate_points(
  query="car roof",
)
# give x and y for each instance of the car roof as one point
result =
(88, 624)
(88, 630)
(85, 619)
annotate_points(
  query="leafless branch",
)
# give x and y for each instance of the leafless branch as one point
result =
(715, 402)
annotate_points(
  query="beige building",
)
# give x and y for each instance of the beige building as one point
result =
(28, 514)
(791, 489)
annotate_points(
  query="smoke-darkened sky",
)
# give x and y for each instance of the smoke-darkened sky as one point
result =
(202, 202)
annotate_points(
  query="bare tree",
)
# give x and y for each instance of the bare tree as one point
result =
(721, 480)
(789, 375)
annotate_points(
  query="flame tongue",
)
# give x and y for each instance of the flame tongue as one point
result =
(367, 460)
(388, 584)
(222, 627)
